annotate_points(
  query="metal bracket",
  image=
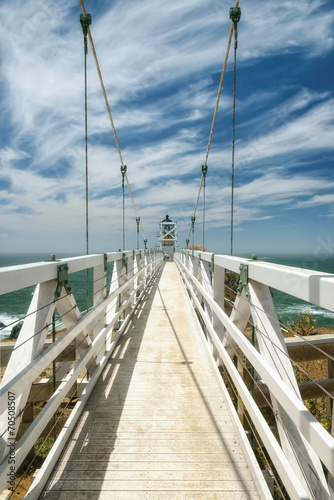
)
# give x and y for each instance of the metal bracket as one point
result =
(235, 15)
(62, 277)
(125, 262)
(105, 262)
(243, 282)
(204, 169)
(212, 262)
(85, 21)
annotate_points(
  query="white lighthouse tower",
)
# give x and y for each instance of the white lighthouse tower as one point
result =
(168, 237)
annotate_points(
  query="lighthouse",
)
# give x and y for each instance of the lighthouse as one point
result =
(168, 237)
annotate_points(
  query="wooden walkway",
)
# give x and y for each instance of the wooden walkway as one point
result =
(156, 425)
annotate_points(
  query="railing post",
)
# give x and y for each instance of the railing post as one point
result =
(272, 347)
(136, 266)
(205, 270)
(100, 290)
(115, 283)
(131, 264)
(218, 292)
(32, 337)
(330, 374)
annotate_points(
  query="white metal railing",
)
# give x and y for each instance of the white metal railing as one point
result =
(304, 445)
(94, 336)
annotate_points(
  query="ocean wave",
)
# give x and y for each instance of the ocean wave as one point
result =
(293, 309)
(9, 322)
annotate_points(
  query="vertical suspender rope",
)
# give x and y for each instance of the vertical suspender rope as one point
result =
(85, 21)
(203, 212)
(138, 222)
(204, 171)
(235, 9)
(123, 170)
(109, 113)
(235, 16)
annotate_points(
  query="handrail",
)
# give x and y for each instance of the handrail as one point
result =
(197, 267)
(128, 284)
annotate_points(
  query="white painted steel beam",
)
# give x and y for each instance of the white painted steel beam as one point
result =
(312, 286)
(287, 474)
(49, 463)
(312, 430)
(273, 349)
(29, 373)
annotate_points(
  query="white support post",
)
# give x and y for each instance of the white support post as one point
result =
(99, 293)
(218, 292)
(29, 344)
(205, 270)
(198, 276)
(330, 476)
(70, 314)
(141, 263)
(146, 273)
(113, 306)
(131, 263)
(135, 271)
(195, 262)
(272, 347)
(240, 316)
(124, 278)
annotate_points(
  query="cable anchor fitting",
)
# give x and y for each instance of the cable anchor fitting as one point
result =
(235, 18)
(123, 170)
(62, 278)
(204, 169)
(243, 282)
(235, 15)
(85, 21)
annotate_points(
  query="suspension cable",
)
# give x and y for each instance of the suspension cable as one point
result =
(235, 15)
(109, 113)
(217, 104)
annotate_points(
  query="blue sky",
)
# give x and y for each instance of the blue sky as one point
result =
(161, 63)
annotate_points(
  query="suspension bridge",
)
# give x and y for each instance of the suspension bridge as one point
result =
(166, 375)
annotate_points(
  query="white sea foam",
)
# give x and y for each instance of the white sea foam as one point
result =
(9, 322)
(303, 308)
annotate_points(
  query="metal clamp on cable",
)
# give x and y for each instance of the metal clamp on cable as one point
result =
(85, 21)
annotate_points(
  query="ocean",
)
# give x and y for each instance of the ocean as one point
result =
(14, 306)
(288, 306)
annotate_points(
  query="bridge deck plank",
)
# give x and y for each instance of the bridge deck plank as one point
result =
(156, 425)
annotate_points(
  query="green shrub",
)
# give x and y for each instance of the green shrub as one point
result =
(303, 324)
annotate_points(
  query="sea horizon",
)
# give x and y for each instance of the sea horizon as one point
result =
(14, 306)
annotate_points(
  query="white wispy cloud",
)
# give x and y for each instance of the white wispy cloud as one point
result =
(161, 65)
